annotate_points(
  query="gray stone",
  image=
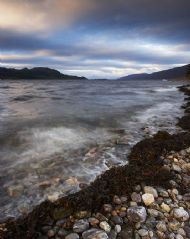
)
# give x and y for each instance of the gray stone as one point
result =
(181, 214)
(143, 232)
(187, 230)
(151, 190)
(136, 214)
(136, 197)
(107, 207)
(81, 226)
(105, 226)
(72, 236)
(94, 234)
(112, 234)
(126, 232)
(161, 226)
(117, 220)
(118, 228)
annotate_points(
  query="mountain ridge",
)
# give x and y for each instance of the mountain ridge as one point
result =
(35, 73)
(173, 73)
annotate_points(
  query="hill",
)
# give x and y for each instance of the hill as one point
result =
(174, 73)
(34, 73)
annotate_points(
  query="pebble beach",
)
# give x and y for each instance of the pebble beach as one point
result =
(148, 198)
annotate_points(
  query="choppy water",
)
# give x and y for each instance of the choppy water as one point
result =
(63, 132)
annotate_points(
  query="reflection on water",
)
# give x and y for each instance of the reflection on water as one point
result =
(58, 135)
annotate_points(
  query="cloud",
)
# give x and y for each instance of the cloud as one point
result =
(95, 38)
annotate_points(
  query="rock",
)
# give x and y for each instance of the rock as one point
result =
(143, 232)
(151, 190)
(93, 221)
(15, 191)
(174, 225)
(178, 236)
(118, 228)
(117, 220)
(161, 226)
(24, 208)
(187, 230)
(44, 184)
(101, 217)
(123, 199)
(136, 214)
(82, 214)
(186, 180)
(181, 231)
(186, 167)
(51, 233)
(72, 236)
(105, 226)
(117, 200)
(181, 214)
(107, 207)
(112, 234)
(148, 199)
(94, 234)
(61, 222)
(136, 197)
(126, 232)
(165, 207)
(62, 233)
(81, 226)
(153, 212)
(176, 168)
(53, 197)
(133, 204)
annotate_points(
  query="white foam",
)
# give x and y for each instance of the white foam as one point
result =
(163, 89)
(43, 143)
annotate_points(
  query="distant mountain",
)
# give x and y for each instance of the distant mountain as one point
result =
(175, 73)
(34, 73)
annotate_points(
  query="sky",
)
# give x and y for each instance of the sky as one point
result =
(95, 38)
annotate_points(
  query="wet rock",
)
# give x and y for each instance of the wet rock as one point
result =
(105, 226)
(44, 184)
(81, 226)
(136, 197)
(187, 230)
(51, 233)
(148, 199)
(62, 233)
(82, 214)
(15, 191)
(181, 214)
(176, 168)
(136, 214)
(126, 232)
(165, 207)
(117, 220)
(151, 190)
(117, 200)
(101, 217)
(94, 234)
(107, 207)
(161, 226)
(174, 225)
(186, 180)
(53, 197)
(112, 234)
(72, 236)
(93, 221)
(118, 228)
(143, 232)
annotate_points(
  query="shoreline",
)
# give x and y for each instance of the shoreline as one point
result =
(145, 166)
